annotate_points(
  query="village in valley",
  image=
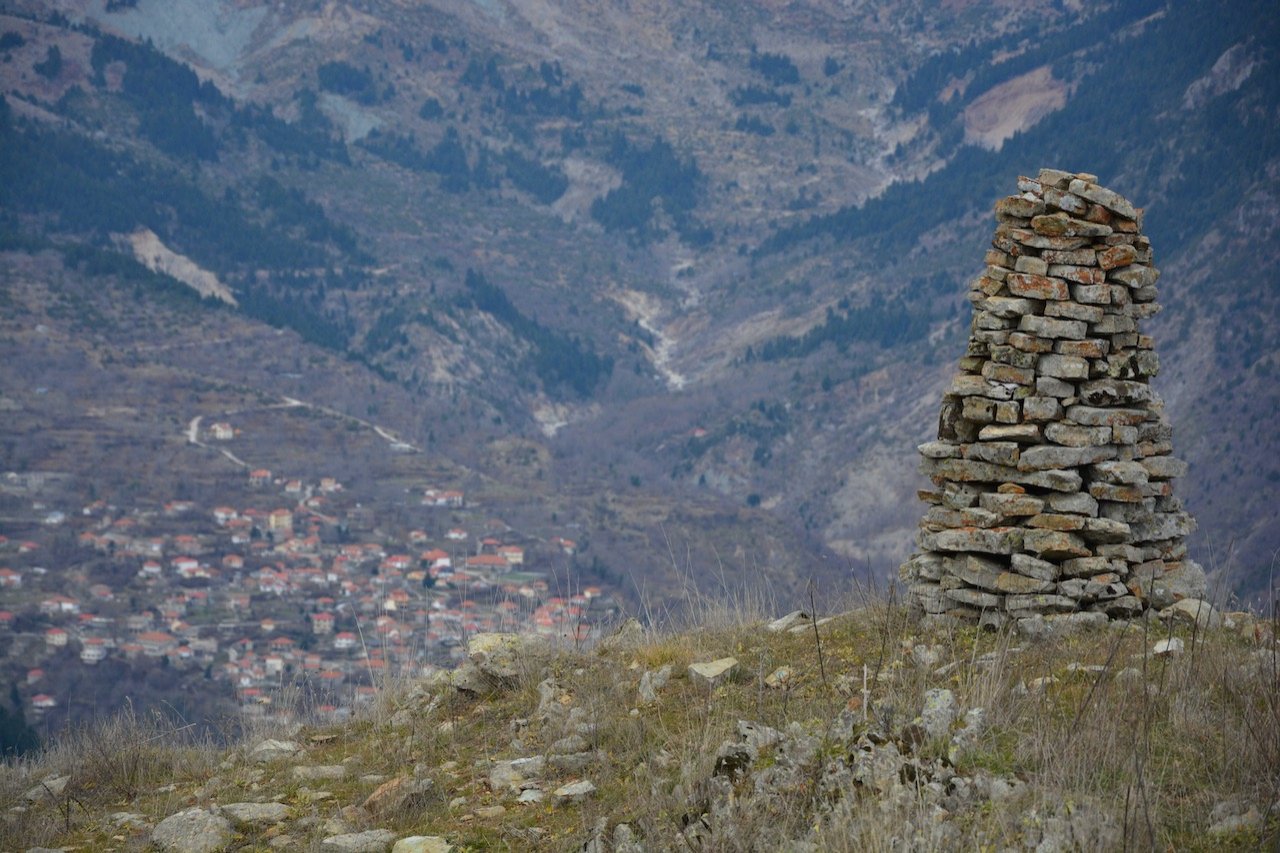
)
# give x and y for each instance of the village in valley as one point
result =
(287, 592)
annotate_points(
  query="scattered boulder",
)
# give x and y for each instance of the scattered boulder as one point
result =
(939, 712)
(712, 673)
(422, 844)
(781, 677)
(785, 623)
(318, 772)
(653, 681)
(50, 788)
(505, 657)
(1232, 816)
(399, 793)
(574, 791)
(273, 750)
(370, 841)
(192, 831)
(629, 635)
(1195, 611)
(509, 775)
(249, 815)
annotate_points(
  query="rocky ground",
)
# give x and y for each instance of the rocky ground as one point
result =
(861, 731)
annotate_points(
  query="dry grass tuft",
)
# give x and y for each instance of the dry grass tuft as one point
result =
(107, 764)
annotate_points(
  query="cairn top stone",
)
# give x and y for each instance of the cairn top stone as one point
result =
(1052, 466)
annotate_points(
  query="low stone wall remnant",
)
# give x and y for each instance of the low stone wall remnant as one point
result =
(1053, 474)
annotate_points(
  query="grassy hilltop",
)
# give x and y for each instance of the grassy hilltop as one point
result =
(862, 732)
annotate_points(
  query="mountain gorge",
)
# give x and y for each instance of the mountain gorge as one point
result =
(690, 277)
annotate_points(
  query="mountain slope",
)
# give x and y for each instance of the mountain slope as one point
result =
(702, 256)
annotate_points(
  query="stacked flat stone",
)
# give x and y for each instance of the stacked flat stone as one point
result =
(1053, 469)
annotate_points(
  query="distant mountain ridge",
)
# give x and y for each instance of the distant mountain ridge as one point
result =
(698, 254)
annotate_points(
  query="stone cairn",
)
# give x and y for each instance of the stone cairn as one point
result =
(1053, 497)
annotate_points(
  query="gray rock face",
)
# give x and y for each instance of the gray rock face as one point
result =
(318, 772)
(192, 831)
(49, 788)
(1232, 816)
(1193, 610)
(131, 820)
(273, 750)
(244, 815)
(653, 681)
(574, 791)
(574, 762)
(712, 673)
(470, 679)
(792, 619)
(1052, 468)
(422, 844)
(939, 712)
(504, 657)
(509, 775)
(1080, 827)
(372, 841)
(397, 794)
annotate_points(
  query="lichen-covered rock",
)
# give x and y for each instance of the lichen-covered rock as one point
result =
(939, 712)
(509, 775)
(318, 772)
(244, 815)
(50, 788)
(1194, 610)
(628, 635)
(1078, 826)
(783, 623)
(273, 750)
(422, 844)
(505, 656)
(712, 673)
(574, 791)
(652, 681)
(370, 841)
(192, 831)
(398, 793)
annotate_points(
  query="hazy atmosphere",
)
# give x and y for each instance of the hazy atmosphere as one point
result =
(334, 335)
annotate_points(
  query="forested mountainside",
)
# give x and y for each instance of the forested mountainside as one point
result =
(688, 276)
